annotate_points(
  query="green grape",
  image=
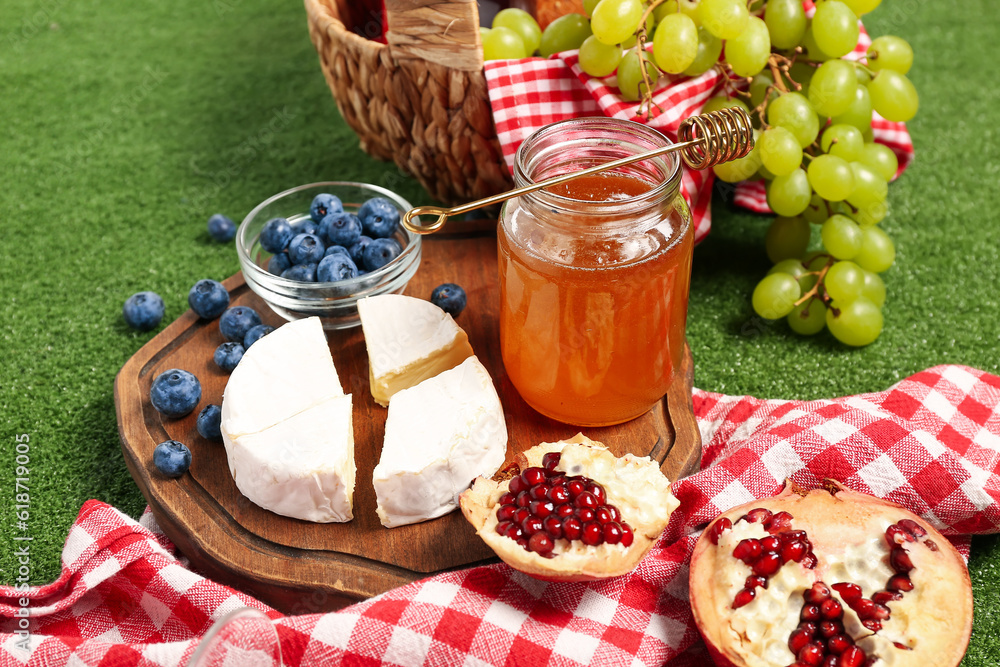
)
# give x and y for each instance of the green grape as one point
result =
(841, 236)
(812, 49)
(633, 39)
(893, 96)
(843, 281)
(786, 22)
(503, 43)
(600, 59)
(775, 295)
(808, 318)
(860, 7)
(740, 169)
(792, 267)
(857, 323)
(723, 18)
(747, 53)
(869, 188)
(862, 75)
(687, 7)
(888, 52)
(614, 21)
(787, 238)
(761, 85)
(564, 34)
(844, 141)
(877, 250)
(630, 75)
(763, 172)
(789, 195)
(802, 73)
(868, 135)
(722, 102)
(831, 177)
(659, 12)
(831, 90)
(817, 212)
(780, 151)
(874, 288)
(588, 6)
(483, 32)
(675, 44)
(709, 50)
(835, 28)
(815, 260)
(793, 111)
(523, 24)
(859, 114)
(880, 158)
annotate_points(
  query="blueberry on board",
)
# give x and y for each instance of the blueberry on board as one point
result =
(358, 249)
(306, 249)
(227, 356)
(336, 248)
(143, 311)
(323, 205)
(341, 228)
(175, 392)
(221, 228)
(208, 298)
(172, 458)
(275, 235)
(255, 334)
(338, 266)
(210, 422)
(450, 298)
(379, 253)
(379, 217)
(237, 321)
(304, 273)
(278, 264)
(306, 226)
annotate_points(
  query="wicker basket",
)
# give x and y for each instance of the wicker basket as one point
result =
(419, 100)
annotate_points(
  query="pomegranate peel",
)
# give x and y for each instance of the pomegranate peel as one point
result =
(613, 512)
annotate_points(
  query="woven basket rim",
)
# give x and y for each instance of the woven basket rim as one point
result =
(320, 14)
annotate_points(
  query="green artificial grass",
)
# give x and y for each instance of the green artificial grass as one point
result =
(126, 124)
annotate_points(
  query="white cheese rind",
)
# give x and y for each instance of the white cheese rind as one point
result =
(303, 466)
(409, 340)
(439, 435)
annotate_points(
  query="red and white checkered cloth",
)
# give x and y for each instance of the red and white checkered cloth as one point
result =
(930, 443)
(530, 93)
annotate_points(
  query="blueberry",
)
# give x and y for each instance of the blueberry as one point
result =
(336, 248)
(255, 334)
(379, 253)
(306, 249)
(237, 321)
(449, 297)
(143, 311)
(172, 458)
(210, 422)
(228, 355)
(175, 392)
(208, 298)
(305, 226)
(275, 235)
(379, 217)
(338, 266)
(278, 264)
(304, 273)
(358, 249)
(221, 228)
(342, 228)
(323, 205)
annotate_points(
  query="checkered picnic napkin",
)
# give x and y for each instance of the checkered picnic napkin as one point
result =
(530, 93)
(930, 443)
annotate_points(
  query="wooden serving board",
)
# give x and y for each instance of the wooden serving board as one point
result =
(302, 567)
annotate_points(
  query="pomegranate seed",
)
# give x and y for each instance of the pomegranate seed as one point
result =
(790, 535)
(770, 544)
(551, 460)
(779, 523)
(598, 492)
(754, 581)
(895, 535)
(931, 545)
(564, 510)
(872, 625)
(531, 525)
(810, 612)
(505, 512)
(558, 494)
(848, 591)
(516, 485)
(507, 499)
(809, 628)
(592, 533)
(533, 476)
(902, 647)
(572, 528)
(912, 527)
(718, 528)
(883, 597)
(523, 499)
(747, 550)
(900, 560)
(627, 535)
(586, 499)
(837, 644)
(540, 543)
(817, 593)
(602, 515)
(584, 514)
(539, 492)
(900, 582)
(867, 610)
(504, 527)
(615, 514)
(523, 541)
(521, 514)
(541, 508)
(798, 640)
(809, 560)
(830, 628)
(557, 480)
(811, 654)
(575, 487)
(757, 515)
(612, 532)
(793, 551)
(744, 597)
(767, 564)
(830, 661)
(831, 610)
(852, 657)
(553, 526)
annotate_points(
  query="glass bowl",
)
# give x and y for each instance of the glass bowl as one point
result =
(334, 303)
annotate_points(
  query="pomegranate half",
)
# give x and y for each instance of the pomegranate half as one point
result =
(829, 578)
(572, 511)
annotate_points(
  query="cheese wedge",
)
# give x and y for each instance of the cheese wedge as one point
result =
(440, 435)
(408, 341)
(287, 426)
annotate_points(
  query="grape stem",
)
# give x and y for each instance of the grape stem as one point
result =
(647, 104)
(814, 291)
